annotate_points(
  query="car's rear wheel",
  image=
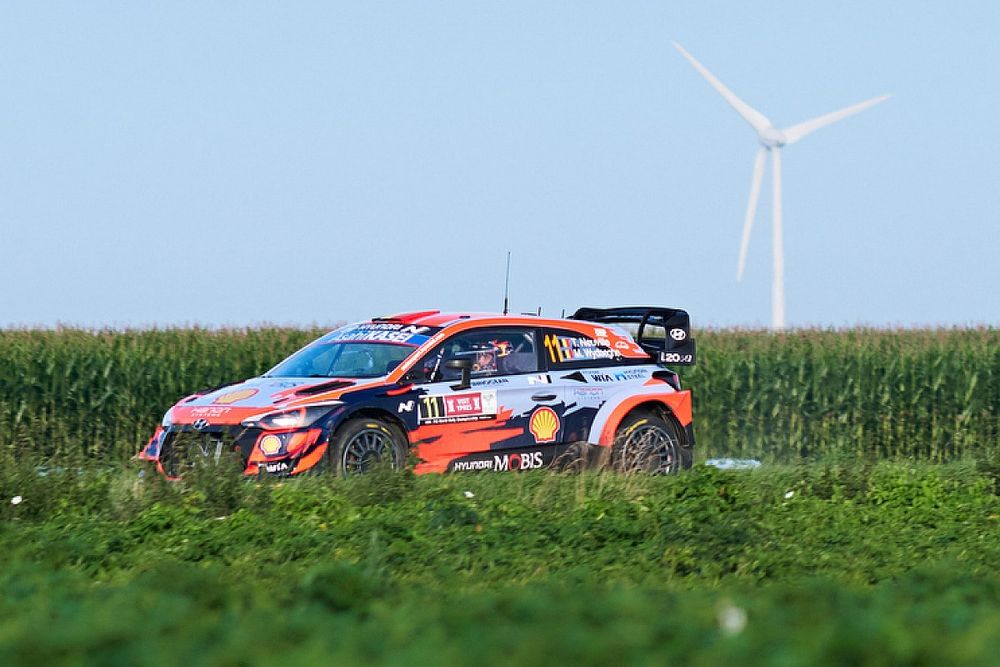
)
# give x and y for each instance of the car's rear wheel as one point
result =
(646, 442)
(364, 443)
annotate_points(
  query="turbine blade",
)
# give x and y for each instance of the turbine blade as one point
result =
(758, 174)
(757, 120)
(778, 248)
(796, 132)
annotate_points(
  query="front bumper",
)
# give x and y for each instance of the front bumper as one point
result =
(285, 452)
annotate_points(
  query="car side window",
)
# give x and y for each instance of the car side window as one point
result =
(492, 352)
(571, 349)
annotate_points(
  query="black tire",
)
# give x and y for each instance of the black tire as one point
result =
(364, 442)
(646, 442)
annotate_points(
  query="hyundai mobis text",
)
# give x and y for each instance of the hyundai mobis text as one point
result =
(461, 392)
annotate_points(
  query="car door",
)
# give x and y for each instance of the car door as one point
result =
(583, 366)
(509, 404)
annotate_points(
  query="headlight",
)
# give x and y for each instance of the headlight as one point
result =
(290, 419)
(168, 418)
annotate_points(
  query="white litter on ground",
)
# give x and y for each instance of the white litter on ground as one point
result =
(789, 495)
(470, 494)
(732, 619)
(733, 464)
(16, 500)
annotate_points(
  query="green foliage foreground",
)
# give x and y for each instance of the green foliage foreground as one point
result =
(828, 564)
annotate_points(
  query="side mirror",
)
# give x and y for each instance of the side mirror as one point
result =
(464, 365)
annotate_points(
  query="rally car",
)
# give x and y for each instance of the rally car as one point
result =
(460, 392)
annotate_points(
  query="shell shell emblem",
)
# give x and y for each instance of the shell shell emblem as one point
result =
(270, 445)
(544, 425)
(234, 396)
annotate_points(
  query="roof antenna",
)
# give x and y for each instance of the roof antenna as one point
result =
(506, 287)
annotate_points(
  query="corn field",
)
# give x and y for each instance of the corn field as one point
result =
(927, 394)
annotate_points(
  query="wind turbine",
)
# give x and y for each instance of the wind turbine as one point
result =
(771, 140)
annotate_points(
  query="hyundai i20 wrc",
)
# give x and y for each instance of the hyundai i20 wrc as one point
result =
(460, 392)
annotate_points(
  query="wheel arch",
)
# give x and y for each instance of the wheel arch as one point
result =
(658, 408)
(369, 412)
(673, 405)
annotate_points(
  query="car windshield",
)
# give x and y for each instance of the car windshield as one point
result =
(343, 359)
(361, 350)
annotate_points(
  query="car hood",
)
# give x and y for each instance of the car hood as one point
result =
(233, 403)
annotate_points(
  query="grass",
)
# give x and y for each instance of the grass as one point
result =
(823, 564)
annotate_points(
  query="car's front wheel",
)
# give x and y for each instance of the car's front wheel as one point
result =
(646, 442)
(365, 442)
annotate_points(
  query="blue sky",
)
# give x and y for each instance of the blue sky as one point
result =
(307, 163)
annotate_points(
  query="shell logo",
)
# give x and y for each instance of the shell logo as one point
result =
(270, 445)
(234, 396)
(544, 425)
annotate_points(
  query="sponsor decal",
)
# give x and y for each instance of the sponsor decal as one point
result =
(454, 408)
(276, 466)
(234, 396)
(500, 462)
(477, 464)
(462, 405)
(588, 396)
(525, 461)
(577, 348)
(544, 425)
(405, 406)
(485, 382)
(622, 345)
(631, 374)
(436, 338)
(270, 445)
(209, 412)
(600, 333)
(678, 334)
(200, 424)
(539, 379)
(675, 358)
(385, 332)
(623, 375)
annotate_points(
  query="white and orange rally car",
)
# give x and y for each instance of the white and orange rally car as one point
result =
(461, 392)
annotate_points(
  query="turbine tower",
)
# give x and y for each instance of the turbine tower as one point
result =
(771, 140)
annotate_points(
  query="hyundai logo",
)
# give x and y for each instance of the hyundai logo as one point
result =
(200, 424)
(678, 334)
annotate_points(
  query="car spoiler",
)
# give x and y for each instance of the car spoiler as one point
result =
(664, 333)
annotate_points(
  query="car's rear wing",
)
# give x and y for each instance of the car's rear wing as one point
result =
(664, 333)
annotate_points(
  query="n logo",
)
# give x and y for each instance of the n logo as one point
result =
(406, 406)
